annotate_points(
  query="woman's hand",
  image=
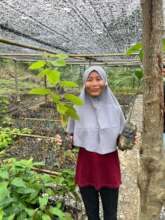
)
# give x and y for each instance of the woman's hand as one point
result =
(137, 138)
(125, 143)
(58, 140)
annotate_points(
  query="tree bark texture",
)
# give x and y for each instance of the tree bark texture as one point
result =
(151, 178)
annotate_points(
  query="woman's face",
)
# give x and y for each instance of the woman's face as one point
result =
(94, 85)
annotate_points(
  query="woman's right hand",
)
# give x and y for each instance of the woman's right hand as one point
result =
(58, 140)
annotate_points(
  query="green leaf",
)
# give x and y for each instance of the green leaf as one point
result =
(4, 174)
(43, 201)
(56, 211)
(4, 192)
(25, 190)
(68, 84)
(58, 62)
(33, 198)
(6, 202)
(62, 108)
(46, 217)
(24, 163)
(29, 211)
(72, 113)
(37, 65)
(18, 182)
(135, 48)
(139, 73)
(47, 179)
(56, 98)
(11, 217)
(76, 100)
(39, 91)
(53, 76)
(1, 214)
(59, 180)
(43, 73)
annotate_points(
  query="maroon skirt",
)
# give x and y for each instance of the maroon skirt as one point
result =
(98, 170)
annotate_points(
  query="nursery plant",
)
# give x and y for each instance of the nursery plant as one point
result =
(49, 70)
(26, 195)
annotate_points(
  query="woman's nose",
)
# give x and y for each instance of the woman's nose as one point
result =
(94, 82)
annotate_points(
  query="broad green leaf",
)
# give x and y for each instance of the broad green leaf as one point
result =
(139, 73)
(39, 91)
(72, 113)
(56, 98)
(43, 73)
(43, 201)
(62, 108)
(18, 182)
(26, 190)
(58, 62)
(24, 163)
(68, 84)
(1, 214)
(4, 192)
(4, 174)
(46, 217)
(76, 100)
(33, 198)
(135, 48)
(58, 212)
(30, 211)
(59, 180)
(6, 202)
(37, 65)
(11, 217)
(53, 76)
(47, 178)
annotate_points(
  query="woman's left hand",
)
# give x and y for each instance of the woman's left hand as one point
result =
(137, 138)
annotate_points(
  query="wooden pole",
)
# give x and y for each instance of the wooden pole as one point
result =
(16, 82)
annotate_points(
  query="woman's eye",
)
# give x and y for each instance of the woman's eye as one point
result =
(90, 79)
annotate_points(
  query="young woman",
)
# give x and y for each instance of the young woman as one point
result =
(96, 134)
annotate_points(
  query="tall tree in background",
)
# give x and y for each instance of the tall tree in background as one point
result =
(152, 156)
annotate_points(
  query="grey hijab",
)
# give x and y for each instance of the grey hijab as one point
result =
(101, 119)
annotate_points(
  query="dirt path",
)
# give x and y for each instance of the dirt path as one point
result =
(129, 193)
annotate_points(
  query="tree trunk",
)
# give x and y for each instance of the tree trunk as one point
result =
(152, 157)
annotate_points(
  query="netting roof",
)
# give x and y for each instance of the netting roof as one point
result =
(72, 26)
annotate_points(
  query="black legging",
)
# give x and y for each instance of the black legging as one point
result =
(109, 198)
